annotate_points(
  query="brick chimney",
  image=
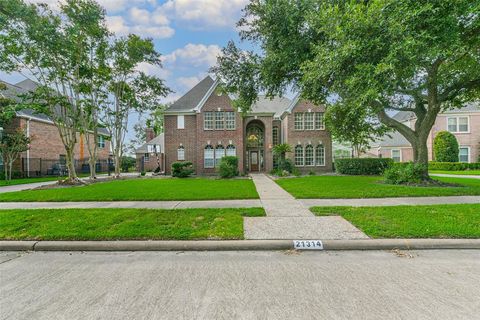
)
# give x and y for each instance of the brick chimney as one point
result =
(149, 134)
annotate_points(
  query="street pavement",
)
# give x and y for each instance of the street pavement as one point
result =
(441, 284)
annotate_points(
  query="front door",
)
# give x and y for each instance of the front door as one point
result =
(253, 160)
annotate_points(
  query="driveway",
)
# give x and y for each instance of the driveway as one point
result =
(241, 285)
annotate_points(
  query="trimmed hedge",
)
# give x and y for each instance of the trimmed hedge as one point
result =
(453, 166)
(182, 169)
(362, 166)
(228, 167)
(445, 147)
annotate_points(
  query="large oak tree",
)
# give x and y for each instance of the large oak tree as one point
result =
(384, 55)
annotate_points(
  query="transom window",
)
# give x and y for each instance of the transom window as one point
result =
(309, 155)
(299, 155)
(396, 155)
(309, 121)
(181, 153)
(231, 151)
(219, 154)
(458, 124)
(208, 120)
(464, 154)
(208, 157)
(255, 137)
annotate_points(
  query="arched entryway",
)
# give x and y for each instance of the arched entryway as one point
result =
(255, 146)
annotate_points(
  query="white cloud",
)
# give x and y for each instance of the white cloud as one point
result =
(203, 14)
(153, 70)
(120, 26)
(194, 55)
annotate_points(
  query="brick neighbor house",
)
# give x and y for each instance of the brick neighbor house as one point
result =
(203, 126)
(464, 123)
(46, 155)
(151, 155)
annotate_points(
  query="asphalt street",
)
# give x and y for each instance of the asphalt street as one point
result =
(441, 284)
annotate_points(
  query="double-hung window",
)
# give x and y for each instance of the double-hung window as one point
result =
(464, 154)
(219, 123)
(396, 155)
(208, 157)
(180, 122)
(320, 155)
(299, 156)
(219, 154)
(230, 120)
(181, 153)
(309, 124)
(101, 142)
(208, 120)
(458, 124)
(309, 155)
(319, 123)
(298, 121)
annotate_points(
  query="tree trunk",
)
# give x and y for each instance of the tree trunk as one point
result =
(72, 174)
(10, 168)
(117, 163)
(92, 163)
(420, 155)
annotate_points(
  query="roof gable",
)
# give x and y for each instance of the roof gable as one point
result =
(190, 100)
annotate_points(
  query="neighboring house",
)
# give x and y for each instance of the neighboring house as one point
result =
(46, 155)
(464, 123)
(203, 126)
(151, 154)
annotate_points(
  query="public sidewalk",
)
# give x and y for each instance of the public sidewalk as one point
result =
(454, 176)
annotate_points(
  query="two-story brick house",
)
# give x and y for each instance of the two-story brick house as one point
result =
(203, 126)
(463, 123)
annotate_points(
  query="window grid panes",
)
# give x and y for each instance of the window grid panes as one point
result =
(275, 139)
(101, 142)
(230, 120)
(219, 120)
(458, 124)
(146, 157)
(298, 121)
(319, 123)
(320, 155)
(462, 124)
(309, 155)
(209, 157)
(309, 120)
(463, 154)
(181, 153)
(231, 151)
(219, 154)
(299, 155)
(208, 120)
(396, 155)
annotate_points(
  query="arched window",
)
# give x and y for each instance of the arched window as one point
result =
(181, 153)
(320, 155)
(231, 151)
(299, 156)
(309, 155)
(255, 136)
(219, 154)
(208, 157)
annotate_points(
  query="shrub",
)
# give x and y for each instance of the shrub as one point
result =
(453, 166)
(362, 166)
(296, 172)
(445, 147)
(127, 163)
(228, 167)
(143, 173)
(285, 165)
(182, 169)
(410, 173)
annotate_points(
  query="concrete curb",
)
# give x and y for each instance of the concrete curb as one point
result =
(235, 245)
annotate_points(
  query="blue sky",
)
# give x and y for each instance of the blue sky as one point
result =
(188, 33)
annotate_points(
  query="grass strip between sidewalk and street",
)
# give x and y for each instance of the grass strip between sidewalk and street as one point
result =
(353, 187)
(432, 221)
(124, 224)
(146, 189)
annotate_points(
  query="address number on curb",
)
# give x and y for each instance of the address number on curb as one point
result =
(308, 244)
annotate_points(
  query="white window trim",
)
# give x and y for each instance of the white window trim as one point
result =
(458, 124)
(295, 156)
(305, 156)
(213, 158)
(324, 156)
(399, 151)
(212, 121)
(180, 123)
(181, 149)
(469, 153)
(312, 114)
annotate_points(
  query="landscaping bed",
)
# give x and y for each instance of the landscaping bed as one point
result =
(143, 190)
(433, 221)
(124, 224)
(351, 187)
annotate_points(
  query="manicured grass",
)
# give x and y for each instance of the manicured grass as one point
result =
(143, 189)
(461, 173)
(116, 224)
(435, 221)
(26, 180)
(370, 187)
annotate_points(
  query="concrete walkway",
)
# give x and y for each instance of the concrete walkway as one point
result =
(288, 218)
(454, 175)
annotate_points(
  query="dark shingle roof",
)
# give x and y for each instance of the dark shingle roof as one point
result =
(393, 139)
(190, 100)
(158, 140)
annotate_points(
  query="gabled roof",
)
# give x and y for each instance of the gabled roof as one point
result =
(393, 139)
(403, 116)
(190, 100)
(158, 140)
(276, 105)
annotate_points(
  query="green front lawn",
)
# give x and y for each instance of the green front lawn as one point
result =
(143, 189)
(123, 224)
(463, 172)
(370, 187)
(435, 221)
(26, 180)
